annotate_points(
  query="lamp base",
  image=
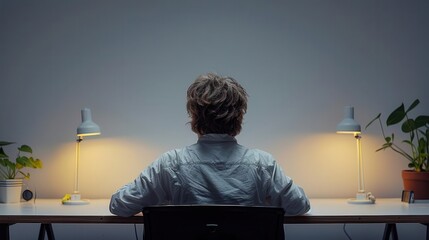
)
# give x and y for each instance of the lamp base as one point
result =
(362, 198)
(75, 200)
(360, 201)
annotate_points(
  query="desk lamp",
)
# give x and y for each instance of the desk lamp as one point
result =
(86, 128)
(350, 126)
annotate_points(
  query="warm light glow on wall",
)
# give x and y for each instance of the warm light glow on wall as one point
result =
(107, 164)
(325, 165)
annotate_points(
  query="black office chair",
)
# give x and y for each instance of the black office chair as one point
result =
(213, 222)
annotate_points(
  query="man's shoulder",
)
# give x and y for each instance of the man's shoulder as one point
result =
(259, 156)
(177, 152)
(258, 152)
(172, 157)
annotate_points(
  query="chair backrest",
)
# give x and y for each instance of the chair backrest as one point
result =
(213, 222)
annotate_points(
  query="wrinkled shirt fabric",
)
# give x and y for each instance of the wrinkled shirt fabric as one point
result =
(215, 170)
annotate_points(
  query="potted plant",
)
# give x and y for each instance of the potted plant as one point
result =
(12, 172)
(414, 148)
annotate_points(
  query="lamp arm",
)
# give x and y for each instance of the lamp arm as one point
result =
(361, 180)
(76, 179)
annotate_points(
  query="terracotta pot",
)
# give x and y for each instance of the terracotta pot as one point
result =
(418, 182)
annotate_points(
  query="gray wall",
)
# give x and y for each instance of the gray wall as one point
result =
(132, 61)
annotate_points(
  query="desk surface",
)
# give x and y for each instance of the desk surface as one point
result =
(389, 210)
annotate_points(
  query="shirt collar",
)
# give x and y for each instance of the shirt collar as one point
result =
(214, 137)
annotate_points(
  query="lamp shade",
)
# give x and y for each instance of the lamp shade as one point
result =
(87, 127)
(348, 124)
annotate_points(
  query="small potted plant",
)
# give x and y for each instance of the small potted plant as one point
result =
(12, 172)
(415, 148)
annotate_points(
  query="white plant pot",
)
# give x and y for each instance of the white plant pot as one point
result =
(10, 190)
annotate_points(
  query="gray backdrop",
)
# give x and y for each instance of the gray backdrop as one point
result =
(132, 61)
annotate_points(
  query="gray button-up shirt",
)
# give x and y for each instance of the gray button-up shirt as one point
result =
(215, 170)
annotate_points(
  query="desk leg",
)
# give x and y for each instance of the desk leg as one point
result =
(427, 230)
(4, 231)
(390, 229)
(46, 227)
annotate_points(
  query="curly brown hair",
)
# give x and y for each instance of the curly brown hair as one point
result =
(216, 104)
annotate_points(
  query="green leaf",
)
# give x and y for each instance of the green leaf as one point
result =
(3, 155)
(23, 161)
(11, 165)
(10, 169)
(408, 126)
(25, 148)
(3, 162)
(421, 121)
(388, 139)
(31, 162)
(413, 105)
(377, 117)
(408, 142)
(4, 143)
(396, 116)
(37, 163)
(19, 166)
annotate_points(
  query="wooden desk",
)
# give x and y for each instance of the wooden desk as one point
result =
(324, 211)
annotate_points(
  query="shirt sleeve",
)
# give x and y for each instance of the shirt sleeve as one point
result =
(287, 194)
(145, 190)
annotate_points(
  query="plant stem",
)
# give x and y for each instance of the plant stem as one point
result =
(399, 150)
(382, 129)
